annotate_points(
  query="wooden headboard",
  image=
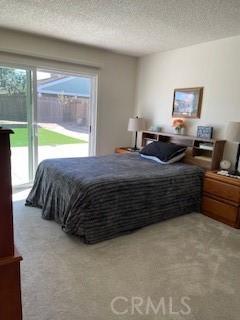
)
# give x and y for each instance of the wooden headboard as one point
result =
(206, 153)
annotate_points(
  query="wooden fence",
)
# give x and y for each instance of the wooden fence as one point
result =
(13, 108)
(50, 109)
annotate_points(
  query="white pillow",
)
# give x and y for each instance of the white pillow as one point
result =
(174, 159)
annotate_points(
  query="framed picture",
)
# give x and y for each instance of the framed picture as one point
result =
(187, 102)
(204, 132)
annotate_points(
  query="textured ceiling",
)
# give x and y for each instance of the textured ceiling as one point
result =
(134, 27)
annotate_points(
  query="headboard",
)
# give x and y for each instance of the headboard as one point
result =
(206, 153)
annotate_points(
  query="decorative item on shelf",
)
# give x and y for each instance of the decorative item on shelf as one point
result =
(155, 129)
(225, 164)
(178, 125)
(233, 135)
(187, 102)
(135, 125)
(206, 146)
(204, 132)
(227, 174)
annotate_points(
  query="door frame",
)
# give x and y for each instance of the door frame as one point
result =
(92, 73)
(93, 76)
(29, 108)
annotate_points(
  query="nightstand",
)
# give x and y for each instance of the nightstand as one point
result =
(124, 150)
(221, 198)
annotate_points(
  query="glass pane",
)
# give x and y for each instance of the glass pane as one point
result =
(14, 115)
(63, 115)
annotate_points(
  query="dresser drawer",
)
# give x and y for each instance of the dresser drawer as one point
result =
(219, 210)
(221, 189)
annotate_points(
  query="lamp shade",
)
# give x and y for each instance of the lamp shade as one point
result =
(136, 124)
(233, 131)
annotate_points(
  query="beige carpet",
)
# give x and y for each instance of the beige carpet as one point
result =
(191, 256)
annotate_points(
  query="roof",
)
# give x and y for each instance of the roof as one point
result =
(68, 86)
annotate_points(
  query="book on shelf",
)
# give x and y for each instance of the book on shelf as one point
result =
(149, 140)
(206, 146)
(203, 158)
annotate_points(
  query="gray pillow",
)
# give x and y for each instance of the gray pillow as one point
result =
(164, 151)
(173, 160)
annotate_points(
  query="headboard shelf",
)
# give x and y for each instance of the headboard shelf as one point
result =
(206, 153)
(179, 136)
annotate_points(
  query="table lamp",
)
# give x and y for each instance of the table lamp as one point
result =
(135, 125)
(233, 135)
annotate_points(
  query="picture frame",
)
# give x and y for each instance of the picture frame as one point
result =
(205, 132)
(187, 102)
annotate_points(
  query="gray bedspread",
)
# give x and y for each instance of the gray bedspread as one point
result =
(98, 198)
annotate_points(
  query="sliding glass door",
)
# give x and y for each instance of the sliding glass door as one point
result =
(15, 113)
(51, 113)
(63, 114)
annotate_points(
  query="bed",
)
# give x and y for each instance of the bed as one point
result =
(98, 198)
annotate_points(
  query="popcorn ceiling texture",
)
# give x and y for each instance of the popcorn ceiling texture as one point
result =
(134, 27)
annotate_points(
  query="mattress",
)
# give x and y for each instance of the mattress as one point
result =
(98, 198)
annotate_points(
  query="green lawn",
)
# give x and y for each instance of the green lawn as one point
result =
(45, 138)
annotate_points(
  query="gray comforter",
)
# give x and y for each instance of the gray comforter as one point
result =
(98, 198)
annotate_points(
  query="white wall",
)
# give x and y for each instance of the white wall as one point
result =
(117, 79)
(214, 65)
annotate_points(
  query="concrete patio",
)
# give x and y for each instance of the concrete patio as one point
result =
(19, 158)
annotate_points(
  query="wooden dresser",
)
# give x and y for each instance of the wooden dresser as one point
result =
(221, 198)
(10, 288)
